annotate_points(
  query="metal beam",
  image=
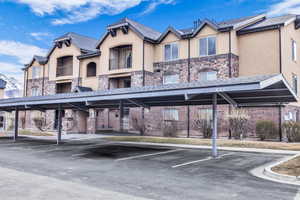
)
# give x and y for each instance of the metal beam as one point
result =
(138, 103)
(215, 127)
(59, 124)
(16, 133)
(78, 107)
(189, 97)
(35, 108)
(228, 99)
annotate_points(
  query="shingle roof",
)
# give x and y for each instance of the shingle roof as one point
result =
(82, 42)
(2, 84)
(142, 29)
(269, 22)
(232, 22)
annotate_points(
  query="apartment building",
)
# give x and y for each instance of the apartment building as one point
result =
(2, 115)
(133, 55)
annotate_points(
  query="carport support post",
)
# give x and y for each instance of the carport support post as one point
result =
(59, 124)
(215, 127)
(121, 107)
(16, 124)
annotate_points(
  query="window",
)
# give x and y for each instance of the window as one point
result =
(91, 70)
(171, 115)
(36, 72)
(120, 57)
(205, 114)
(170, 79)
(207, 46)
(295, 84)
(208, 76)
(34, 92)
(64, 66)
(171, 52)
(294, 50)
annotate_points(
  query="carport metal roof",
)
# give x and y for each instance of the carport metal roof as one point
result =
(243, 91)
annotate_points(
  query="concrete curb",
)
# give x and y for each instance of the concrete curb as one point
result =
(281, 177)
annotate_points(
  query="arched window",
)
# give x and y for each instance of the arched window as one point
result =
(91, 69)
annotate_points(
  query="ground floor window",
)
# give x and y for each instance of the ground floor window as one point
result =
(171, 114)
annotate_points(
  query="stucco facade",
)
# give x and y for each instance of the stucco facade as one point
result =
(239, 48)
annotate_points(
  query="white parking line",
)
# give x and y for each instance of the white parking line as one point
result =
(197, 161)
(192, 162)
(146, 155)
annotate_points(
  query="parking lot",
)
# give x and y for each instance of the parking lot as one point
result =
(143, 171)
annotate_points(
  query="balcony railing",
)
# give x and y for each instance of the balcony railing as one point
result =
(120, 64)
(66, 70)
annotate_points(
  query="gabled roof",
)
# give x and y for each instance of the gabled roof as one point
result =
(269, 23)
(2, 84)
(239, 22)
(146, 33)
(80, 41)
(40, 59)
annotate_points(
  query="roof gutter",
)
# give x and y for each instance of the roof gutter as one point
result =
(265, 28)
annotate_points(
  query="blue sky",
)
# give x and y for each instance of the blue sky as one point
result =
(28, 27)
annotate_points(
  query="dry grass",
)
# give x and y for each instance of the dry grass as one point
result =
(27, 132)
(291, 167)
(34, 133)
(207, 142)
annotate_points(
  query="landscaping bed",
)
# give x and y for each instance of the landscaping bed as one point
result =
(291, 167)
(207, 142)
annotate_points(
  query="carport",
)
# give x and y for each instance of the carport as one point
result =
(239, 92)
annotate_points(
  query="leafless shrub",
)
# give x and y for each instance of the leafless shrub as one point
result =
(139, 125)
(292, 131)
(169, 128)
(238, 123)
(204, 127)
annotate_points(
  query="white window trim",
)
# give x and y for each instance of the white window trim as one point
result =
(167, 83)
(171, 45)
(176, 118)
(199, 49)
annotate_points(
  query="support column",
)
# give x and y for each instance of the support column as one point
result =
(59, 124)
(92, 121)
(16, 133)
(121, 108)
(215, 127)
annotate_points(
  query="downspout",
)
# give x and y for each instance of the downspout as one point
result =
(24, 87)
(280, 71)
(189, 80)
(230, 75)
(26, 92)
(43, 83)
(143, 109)
(79, 73)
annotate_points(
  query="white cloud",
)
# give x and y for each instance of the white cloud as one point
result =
(285, 7)
(40, 35)
(22, 52)
(153, 5)
(74, 11)
(12, 70)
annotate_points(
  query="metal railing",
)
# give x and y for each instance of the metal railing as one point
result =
(120, 64)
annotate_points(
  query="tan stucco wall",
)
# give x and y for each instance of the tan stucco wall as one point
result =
(122, 39)
(171, 38)
(259, 53)
(36, 64)
(60, 52)
(222, 40)
(290, 67)
(91, 82)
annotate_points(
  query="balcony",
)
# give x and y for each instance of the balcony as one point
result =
(64, 66)
(120, 57)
